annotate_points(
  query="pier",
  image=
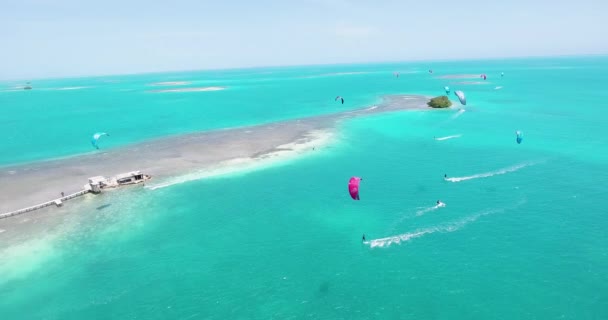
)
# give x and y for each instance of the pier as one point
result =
(57, 202)
(95, 185)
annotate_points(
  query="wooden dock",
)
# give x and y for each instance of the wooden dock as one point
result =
(95, 185)
(57, 202)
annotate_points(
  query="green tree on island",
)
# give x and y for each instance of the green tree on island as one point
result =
(440, 102)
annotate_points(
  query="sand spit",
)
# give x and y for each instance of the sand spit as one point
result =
(459, 76)
(199, 89)
(473, 82)
(69, 88)
(165, 158)
(336, 74)
(170, 83)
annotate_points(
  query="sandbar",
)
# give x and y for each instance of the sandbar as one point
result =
(168, 157)
(459, 76)
(473, 82)
(335, 74)
(198, 89)
(171, 83)
(69, 88)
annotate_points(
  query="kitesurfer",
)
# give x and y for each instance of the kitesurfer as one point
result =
(353, 187)
(363, 238)
(96, 137)
(519, 137)
(461, 97)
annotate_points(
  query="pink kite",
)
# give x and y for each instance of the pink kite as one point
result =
(353, 187)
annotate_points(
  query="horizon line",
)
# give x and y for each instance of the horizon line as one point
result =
(305, 65)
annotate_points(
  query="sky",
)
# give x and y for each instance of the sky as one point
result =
(58, 38)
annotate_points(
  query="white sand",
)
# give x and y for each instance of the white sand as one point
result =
(314, 140)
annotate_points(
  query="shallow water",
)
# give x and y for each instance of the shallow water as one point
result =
(522, 235)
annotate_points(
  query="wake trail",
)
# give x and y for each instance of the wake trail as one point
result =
(458, 114)
(405, 237)
(449, 137)
(492, 173)
(442, 228)
(420, 212)
(450, 119)
(429, 209)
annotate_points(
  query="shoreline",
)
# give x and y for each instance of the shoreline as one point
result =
(173, 157)
(310, 141)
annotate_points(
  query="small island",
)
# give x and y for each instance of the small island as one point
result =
(440, 102)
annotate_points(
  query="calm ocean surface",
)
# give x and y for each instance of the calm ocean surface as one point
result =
(523, 234)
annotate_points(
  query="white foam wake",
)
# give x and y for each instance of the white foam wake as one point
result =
(458, 114)
(498, 88)
(444, 228)
(492, 173)
(449, 137)
(429, 209)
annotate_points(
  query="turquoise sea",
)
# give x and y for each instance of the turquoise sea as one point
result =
(522, 235)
